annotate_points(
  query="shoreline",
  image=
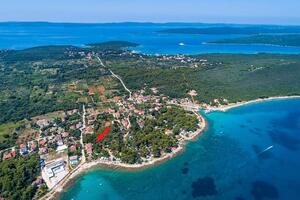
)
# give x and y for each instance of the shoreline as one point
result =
(56, 191)
(115, 165)
(225, 108)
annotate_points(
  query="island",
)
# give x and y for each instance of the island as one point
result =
(236, 30)
(56, 100)
(292, 40)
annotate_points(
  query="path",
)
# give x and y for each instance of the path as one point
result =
(115, 75)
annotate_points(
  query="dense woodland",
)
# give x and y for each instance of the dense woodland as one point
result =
(231, 76)
(16, 176)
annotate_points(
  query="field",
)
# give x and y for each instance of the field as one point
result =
(7, 129)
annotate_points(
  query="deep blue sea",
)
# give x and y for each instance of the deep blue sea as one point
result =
(249, 152)
(24, 35)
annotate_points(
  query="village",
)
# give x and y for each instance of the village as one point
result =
(61, 142)
(65, 141)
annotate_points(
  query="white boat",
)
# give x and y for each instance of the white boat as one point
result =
(181, 44)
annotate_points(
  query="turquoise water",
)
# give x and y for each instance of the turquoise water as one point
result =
(24, 35)
(227, 162)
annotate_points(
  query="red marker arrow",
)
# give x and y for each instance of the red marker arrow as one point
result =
(101, 135)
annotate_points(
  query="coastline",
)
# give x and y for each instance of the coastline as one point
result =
(203, 125)
(225, 108)
(83, 168)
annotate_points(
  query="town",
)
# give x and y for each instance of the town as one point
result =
(65, 140)
(146, 126)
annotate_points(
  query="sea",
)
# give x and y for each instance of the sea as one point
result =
(249, 152)
(15, 35)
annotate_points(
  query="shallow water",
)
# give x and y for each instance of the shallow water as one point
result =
(24, 35)
(227, 162)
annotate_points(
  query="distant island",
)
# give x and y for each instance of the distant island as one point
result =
(225, 30)
(292, 40)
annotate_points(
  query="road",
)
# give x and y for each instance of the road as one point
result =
(59, 186)
(81, 136)
(116, 76)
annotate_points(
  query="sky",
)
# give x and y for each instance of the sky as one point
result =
(211, 11)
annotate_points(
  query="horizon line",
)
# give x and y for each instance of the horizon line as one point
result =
(149, 22)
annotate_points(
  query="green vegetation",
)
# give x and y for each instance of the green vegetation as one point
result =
(40, 53)
(231, 76)
(282, 40)
(141, 142)
(16, 176)
(40, 80)
(33, 81)
(8, 136)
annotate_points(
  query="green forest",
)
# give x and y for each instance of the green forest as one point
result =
(16, 176)
(236, 77)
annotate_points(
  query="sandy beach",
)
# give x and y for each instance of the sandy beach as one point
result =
(224, 108)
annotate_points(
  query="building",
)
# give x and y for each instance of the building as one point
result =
(89, 148)
(7, 156)
(73, 160)
(61, 148)
(42, 123)
(55, 168)
(38, 181)
(43, 150)
(23, 149)
(65, 134)
(89, 130)
(54, 172)
(42, 142)
(72, 148)
(91, 91)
